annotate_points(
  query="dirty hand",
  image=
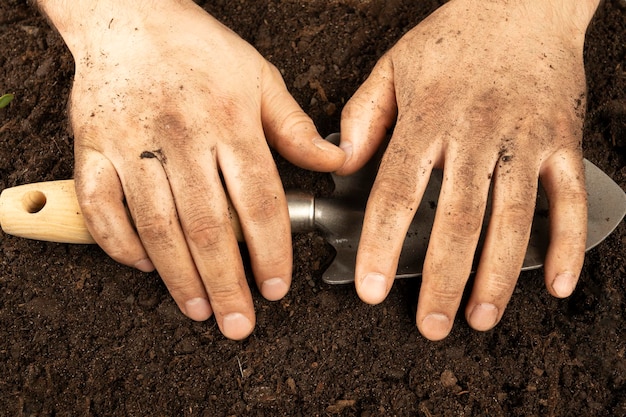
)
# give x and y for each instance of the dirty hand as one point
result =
(493, 92)
(170, 112)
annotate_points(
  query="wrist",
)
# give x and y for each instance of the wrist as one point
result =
(563, 12)
(580, 12)
(89, 24)
(570, 18)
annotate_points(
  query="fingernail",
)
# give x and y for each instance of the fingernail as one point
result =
(346, 147)
(236, 326)
(145, 265)
(484, 316)
(324, 144)
(198, 309)
(274, 289)
(435, 326)
(373, 288)
(564, 284)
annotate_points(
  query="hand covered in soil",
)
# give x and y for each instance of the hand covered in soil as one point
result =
(492, 92)
(170, 112)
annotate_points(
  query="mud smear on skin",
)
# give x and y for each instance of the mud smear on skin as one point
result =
(158, 154)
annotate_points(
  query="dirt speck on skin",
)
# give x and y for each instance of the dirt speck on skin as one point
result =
(82, 335)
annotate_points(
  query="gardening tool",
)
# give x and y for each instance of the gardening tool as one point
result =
(50, 211)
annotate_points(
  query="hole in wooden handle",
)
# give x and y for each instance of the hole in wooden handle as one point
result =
(34, 201)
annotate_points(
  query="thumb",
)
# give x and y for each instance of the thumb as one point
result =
(367, 116)
(291, 132)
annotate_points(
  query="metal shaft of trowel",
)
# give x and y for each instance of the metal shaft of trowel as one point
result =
(301, 211)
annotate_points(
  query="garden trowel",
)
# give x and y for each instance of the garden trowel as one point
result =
(50, 211)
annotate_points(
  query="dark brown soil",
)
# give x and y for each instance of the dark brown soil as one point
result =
(82, 335)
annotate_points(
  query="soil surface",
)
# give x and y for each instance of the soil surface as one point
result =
(82, 335)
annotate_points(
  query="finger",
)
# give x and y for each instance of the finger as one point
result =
(291, 132)
(513, 202)
(152, 206)
(101, 201)
(453, 241)
(203, 214)
(399, 186)
(367, 116)
(563, 178)
(257, 194)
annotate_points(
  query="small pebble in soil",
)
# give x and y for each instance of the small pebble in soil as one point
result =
(291, 383)
(448, 379)
(339, 406)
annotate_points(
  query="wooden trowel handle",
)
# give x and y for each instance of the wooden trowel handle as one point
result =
(44, 211)
(49, 211)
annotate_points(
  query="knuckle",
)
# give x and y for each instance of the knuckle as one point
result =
(356, 107)
(182, 286)
(518, 212)
(575, 195)
(205, 231)
(273, 70)
(463, 220)
(264, 209)
(226, 292)
(104, 224)
(94, 200)
(119, 252)
(154, 229)
(448, 296)
(288, 121)
(224, 289)
(397, 186)
(90, 205)
(498, 286)
(261, 204)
